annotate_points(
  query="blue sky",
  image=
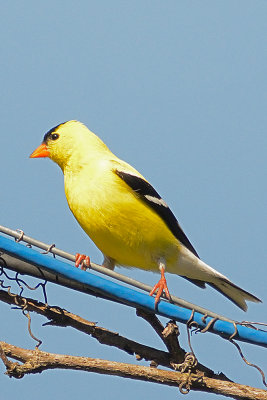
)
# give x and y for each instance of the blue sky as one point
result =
(178, 89)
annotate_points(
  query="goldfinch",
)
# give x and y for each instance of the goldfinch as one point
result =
(124, 215)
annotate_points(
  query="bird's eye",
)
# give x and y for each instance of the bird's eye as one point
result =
(54, 136)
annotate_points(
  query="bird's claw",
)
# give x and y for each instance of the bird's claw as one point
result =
(83, 261)
(160, 287)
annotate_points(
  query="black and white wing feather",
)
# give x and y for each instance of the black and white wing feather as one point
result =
(150, 196)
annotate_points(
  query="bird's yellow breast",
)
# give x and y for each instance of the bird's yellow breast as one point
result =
(121, 225)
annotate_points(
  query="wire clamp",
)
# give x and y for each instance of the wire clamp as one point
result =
(20, 238)
(190, 362)
(49, 250)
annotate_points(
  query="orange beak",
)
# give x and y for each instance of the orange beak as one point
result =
(41, 151)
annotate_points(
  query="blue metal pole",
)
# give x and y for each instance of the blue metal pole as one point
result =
(130, 296)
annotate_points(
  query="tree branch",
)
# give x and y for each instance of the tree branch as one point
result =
(60, 317)
(36, 361)
(168, 335)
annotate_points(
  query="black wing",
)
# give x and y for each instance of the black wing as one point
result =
(148, 194)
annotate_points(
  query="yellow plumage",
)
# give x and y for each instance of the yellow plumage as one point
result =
(103, 205)
(122, 213)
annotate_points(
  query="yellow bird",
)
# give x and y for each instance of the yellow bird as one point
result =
(124, 215)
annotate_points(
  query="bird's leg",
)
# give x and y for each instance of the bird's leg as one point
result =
(161, 286)
(108, 263)
(83, 261)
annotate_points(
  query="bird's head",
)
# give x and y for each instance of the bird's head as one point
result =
(67, 141)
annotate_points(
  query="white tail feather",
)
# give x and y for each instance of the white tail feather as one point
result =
(192, 268)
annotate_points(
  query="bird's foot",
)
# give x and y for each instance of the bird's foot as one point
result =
(83, 261)
(160, 287)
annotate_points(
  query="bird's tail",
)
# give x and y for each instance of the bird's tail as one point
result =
(199, 273)
(233, 292)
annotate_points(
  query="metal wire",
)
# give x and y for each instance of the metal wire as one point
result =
(189, 363)
(193, 324)
(249, 363)
(20, 236)
(21, 302)
(28, 261)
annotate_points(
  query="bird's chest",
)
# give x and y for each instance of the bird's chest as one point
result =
(122, 229)
(87, 199)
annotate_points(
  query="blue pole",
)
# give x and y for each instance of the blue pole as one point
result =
(129, 296)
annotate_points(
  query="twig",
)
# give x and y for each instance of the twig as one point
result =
(169, 336)
(36, 361)
(4, 358)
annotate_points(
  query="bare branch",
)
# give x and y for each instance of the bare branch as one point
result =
(168, 335)
(4, 358)
(36, 361)
(60, 317)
